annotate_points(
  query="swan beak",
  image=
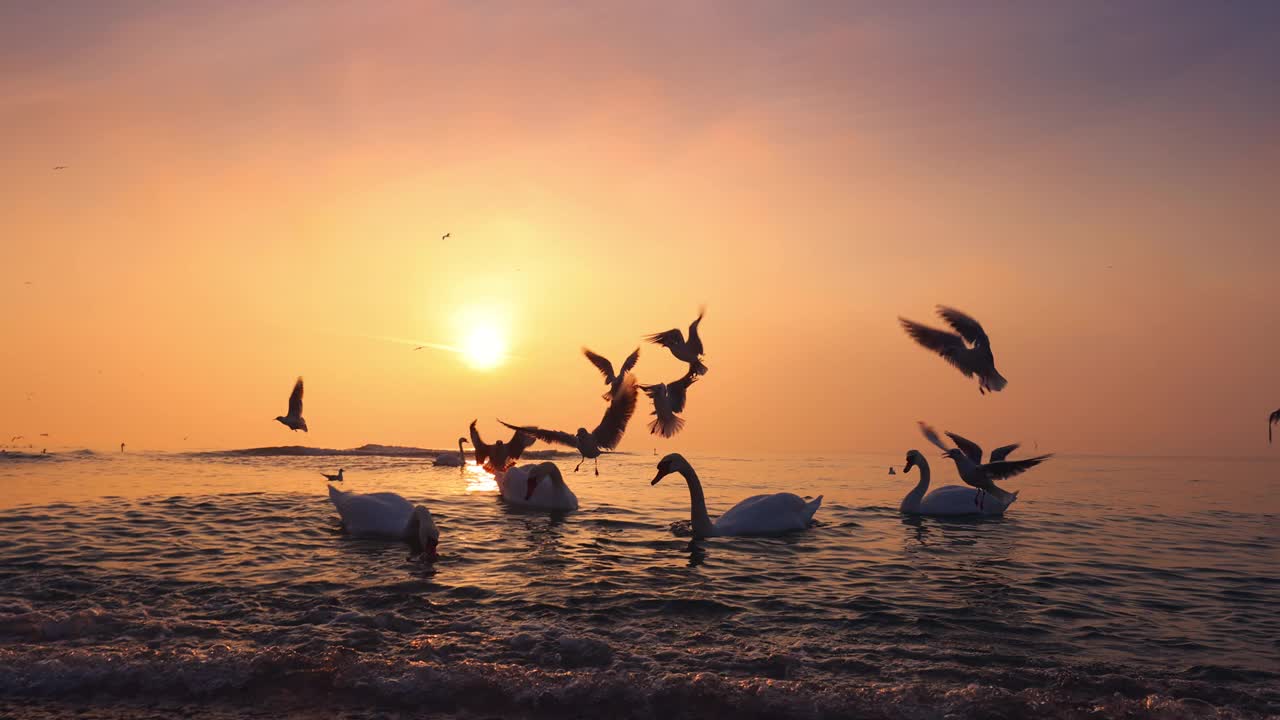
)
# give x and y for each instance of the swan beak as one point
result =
(657, 477)
(910, 464)
(533, 484)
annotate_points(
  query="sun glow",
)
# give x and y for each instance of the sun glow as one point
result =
(484, 348)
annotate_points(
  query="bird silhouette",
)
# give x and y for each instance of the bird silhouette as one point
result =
(969, 351)
(605, 437)
(294, 420)
(614, 381)
(689, 350)
(668, 400)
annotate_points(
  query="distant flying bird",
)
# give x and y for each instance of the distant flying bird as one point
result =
(955, 349)
(16, 437)
(983, 476)
(607, 434)
(606, 368)
(499, 456)
(27, 282)
(690, 350)
(420, 347)
(294, 420)
(44, 434)
(1275, 418)
(669, 399)
(446, 236)
(335, 478)
(60, 167)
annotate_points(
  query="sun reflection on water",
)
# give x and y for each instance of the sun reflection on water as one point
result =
(478, 479)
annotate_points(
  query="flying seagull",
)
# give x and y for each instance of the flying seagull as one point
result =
(983, 477)
(446, 236)
(690, 350)
(16, 437)
(668, 399)
(607, 434)
(60, 167)
(499, 456)
(1275, 418)
(606, 368)
(335, 478)
(974, 452)
(294, 420)
(969, 351)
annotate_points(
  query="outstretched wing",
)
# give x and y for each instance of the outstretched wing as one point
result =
(614, 423)
(1002, 452)
(480, 447)
(968, 447)
(947, 344)
(295, 400)
(965, 325)
(695, 341)
(555, 437)
(602, 364)
(670, 339)
(519, 442)
(678, 391)
(1009, 468)
(931, 435)
(630, 362)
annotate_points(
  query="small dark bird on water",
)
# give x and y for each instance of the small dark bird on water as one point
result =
(607, 434)
(969, 351)
(614, 381)
(689, 350)
(335, 478)
(294, 420)
(121, 447)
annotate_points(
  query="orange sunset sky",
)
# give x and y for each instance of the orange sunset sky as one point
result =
(257, 191)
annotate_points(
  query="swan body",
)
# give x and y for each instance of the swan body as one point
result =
(772, 514)
(451, 460)
(948, 500)
(540, 486)
(386, 515)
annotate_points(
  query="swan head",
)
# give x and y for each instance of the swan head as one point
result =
(672, 463)
(427, 537)
(463, 440)
(536, 473)
(914, 458)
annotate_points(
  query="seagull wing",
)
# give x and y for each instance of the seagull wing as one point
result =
(630, 362)
(1002, 452)
(614, 423)
(555, 437)
(295, 400)
(695, 341)
(520, 442)
(1008, 468)
(602, 364)
(478, 446)
(931, 435)
(947, 344)
(678, 391)
(968, 447)
(670, 339)
(965, 325)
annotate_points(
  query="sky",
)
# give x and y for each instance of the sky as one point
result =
(256, 192)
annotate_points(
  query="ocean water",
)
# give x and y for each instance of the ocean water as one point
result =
(220, 585)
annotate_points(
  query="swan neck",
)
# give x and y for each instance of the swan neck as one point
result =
(912, 501)
(701, 522)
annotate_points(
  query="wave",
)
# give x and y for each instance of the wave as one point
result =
(367, 450)
(580, 678)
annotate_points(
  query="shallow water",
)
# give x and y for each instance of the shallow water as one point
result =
(222, 581)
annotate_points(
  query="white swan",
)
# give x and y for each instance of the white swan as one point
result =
(948, 499)
(757, 515)
(538, 486)
(451, 460)
(387, 515)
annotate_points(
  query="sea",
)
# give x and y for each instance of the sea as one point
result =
(220, 584)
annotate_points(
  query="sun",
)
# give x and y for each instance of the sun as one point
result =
(484, 348)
